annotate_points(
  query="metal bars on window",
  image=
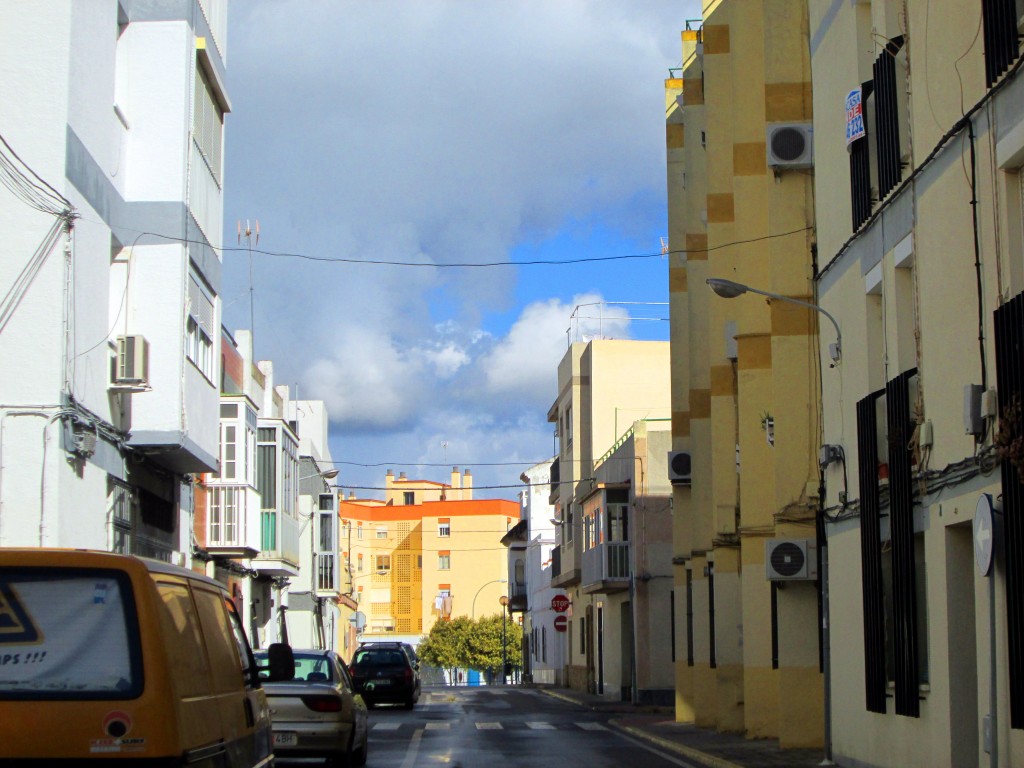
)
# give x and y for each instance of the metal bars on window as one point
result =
(1009, 336)
(900, 422)
(871, 554)
(1002, 46)
(887, 122)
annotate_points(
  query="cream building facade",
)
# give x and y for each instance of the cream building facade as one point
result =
(604, 385)
(919, 144)
(746, 374)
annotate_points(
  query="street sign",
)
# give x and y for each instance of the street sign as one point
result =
(983, 534)
(560, 603)
(561, 622)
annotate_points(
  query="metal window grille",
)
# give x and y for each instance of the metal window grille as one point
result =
(1002, 46)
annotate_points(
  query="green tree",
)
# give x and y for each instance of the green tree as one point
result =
(445, 647)
(485, 643)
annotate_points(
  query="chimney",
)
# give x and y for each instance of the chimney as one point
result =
(456, 484)
(467, 486)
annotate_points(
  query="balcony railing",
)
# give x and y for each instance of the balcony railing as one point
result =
(231, 522)
(279, 536)
(606, 566)
(327, 572)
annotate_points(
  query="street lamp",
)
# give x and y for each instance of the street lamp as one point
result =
(728, 289)
(327, 474)
(496, 581)
(504, 640)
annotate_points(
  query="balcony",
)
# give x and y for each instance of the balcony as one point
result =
(327, 573)
(517, 597)
(556, 476)
(279, 550)
(568, 565)
(606, 568)
(232, 525)
(556, 561)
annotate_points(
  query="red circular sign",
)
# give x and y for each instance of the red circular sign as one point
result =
(560, 603)
(560, 623)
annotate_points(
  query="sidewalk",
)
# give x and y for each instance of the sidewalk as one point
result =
(701, 746)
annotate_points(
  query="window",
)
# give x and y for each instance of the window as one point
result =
(382, 532)
(228, 450)
(410, 498)
(444, 527)
(208, 123)
(226, 511)
(1002, 46)
(383, 564)
(359, 530)
(895, 620)
(123, 503)
(359, 562)
(200, 327)
(583, 634)
(444, 561)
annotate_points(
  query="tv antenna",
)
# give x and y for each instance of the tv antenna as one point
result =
(252, 237)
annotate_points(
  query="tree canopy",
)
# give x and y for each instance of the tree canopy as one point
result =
(471, 644)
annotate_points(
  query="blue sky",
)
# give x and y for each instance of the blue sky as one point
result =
(442, 132)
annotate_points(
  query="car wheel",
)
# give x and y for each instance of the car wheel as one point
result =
(409, 703)
(359, 756)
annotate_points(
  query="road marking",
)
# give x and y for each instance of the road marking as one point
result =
(489, 727)
(414, 748)
(592, 726)
(541, 726)
(438, 726)
(387, 726)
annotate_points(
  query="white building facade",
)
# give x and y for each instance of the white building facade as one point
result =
(113, 196)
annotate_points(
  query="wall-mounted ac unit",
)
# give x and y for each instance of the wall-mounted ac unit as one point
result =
(790, 560)
(790, 145)
(679, 467)
(132, 365)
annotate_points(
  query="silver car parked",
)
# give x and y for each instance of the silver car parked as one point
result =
(318, 713)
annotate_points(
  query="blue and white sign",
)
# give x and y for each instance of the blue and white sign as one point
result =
(854, 116)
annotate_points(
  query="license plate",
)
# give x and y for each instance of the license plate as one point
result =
(381, 683)
(286, 739)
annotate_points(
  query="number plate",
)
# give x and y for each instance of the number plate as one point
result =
(381, 683)
(286, 739)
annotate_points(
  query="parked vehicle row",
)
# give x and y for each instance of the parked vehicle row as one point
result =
(138, 659)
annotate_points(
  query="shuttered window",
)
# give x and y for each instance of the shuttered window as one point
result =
(208, 123)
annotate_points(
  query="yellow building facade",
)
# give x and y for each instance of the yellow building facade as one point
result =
(746, 373)
(414, 558)
(919, 146)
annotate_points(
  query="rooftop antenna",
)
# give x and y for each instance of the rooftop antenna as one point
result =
(444, 447)
(252, 237)
(664, 246)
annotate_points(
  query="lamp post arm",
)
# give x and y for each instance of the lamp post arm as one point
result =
(815, 307)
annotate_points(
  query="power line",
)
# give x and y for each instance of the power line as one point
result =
(465, 265)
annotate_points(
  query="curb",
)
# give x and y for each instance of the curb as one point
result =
(688, 752)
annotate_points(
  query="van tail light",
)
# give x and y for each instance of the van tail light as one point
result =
(322, 703)
(408, 674)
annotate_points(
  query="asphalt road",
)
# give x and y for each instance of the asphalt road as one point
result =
(499, 728)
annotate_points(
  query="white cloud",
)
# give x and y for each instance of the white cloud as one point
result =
(428, 132)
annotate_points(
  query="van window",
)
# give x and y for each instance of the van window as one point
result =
(68, 633)
(244, 650)
(187, 655)
(225, 664)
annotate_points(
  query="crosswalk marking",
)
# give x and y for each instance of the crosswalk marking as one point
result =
(592, 726)
(541, 726)
(489, 727)
(387, 726)
(535, 725)
(435, 726)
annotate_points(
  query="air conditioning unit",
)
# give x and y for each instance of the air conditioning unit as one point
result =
(790, 560)
(132, 365)
(790, 145)
(679, 467)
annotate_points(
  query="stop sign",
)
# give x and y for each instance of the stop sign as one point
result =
(560, 623)
(560, 603)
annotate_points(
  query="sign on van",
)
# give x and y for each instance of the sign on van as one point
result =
(64, 634)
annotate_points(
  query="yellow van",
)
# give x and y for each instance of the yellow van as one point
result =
(111, 658)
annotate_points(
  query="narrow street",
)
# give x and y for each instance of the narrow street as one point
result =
(470, 727)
